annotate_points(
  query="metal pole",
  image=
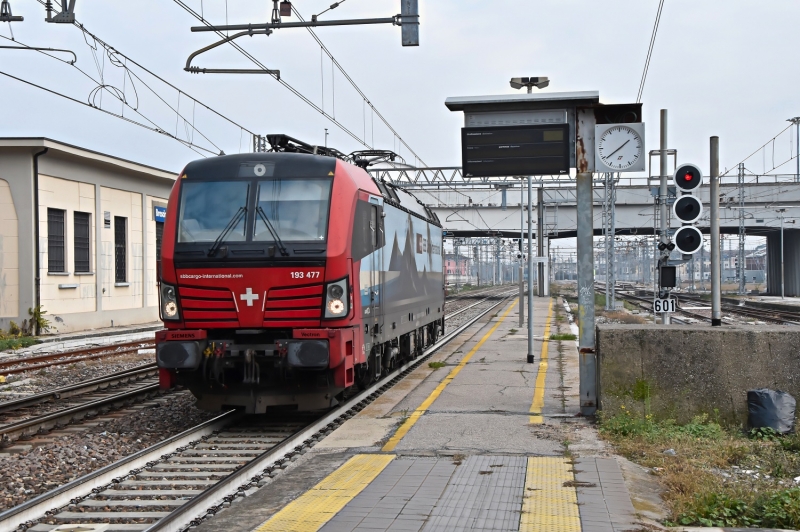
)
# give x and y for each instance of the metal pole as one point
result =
(530, 269)
(783, 294)
(522, 255)
(663, 192)
(585, 259)
(716, 295)
(540, 238)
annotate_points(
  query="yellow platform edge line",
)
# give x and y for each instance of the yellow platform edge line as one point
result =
(414, 417)
(546, 504)
(317, 506)
(541, 377)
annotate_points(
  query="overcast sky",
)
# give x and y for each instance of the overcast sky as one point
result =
(721, 68)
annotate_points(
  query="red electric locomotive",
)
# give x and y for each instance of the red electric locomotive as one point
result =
(286, 278)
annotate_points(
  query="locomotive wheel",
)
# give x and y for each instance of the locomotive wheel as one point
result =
(371, 371)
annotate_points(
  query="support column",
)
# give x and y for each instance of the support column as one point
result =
(540, 239)
(586, 341)
(530, 270)
(716, 300)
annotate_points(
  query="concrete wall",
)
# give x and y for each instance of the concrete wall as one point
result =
(9, 253)
(680, 371)
(73, 179)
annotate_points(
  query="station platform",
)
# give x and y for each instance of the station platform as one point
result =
(486, 442)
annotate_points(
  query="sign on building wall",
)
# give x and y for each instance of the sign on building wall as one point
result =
(159, 213)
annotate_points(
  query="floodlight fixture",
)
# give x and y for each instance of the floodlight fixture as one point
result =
(539, 82)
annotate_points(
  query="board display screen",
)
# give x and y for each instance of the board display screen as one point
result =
(515, 150)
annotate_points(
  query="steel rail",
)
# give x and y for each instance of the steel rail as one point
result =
(7, 367)
(80, 487)
(77, 389)
(217, 494)
(33, 425)
(50, 502)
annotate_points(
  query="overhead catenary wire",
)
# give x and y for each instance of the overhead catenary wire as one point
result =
(650, 51)
(356, 87)
(279, 79)
(154, 128)
(101, 87)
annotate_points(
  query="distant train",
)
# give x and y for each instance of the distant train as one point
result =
(287, 278)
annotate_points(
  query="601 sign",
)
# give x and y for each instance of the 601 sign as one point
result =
(664, 305)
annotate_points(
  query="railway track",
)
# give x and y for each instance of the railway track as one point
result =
(37, 413)
(181, 480)
(772, 316)
(23, 364)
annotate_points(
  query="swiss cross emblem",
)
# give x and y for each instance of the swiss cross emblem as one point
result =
(249, 296)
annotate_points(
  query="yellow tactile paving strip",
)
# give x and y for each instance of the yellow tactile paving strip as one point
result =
(317, 506)
(541, 377)
(414, 417)
(548, 506)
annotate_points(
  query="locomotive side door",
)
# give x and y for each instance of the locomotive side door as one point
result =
(376, 264)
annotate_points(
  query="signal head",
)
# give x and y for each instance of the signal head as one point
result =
(687, 209)
(688, 177)
(688, 239)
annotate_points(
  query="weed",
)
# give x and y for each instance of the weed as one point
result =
(16, 342)
(458, 459)
(763, 434)
(436, 365)
(563, 336)
(513, 331)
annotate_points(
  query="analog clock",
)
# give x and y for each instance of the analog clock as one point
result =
(620, 147)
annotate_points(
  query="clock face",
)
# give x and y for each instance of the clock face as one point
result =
(620, 147)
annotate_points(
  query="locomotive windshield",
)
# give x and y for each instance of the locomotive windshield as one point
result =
(265, 210)
(207, 207)
(297, 209)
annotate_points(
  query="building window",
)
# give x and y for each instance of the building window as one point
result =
(120, 269)
(83, 225)
(159, 236)
(55, 241)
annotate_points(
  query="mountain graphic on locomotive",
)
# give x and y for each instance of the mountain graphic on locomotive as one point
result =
(290, 276)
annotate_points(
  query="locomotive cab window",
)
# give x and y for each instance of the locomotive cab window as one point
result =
(296, 209)
(209, 207)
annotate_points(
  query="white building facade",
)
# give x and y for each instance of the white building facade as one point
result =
(99, 228)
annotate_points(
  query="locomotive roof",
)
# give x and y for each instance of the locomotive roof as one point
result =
(300, 165)
(286, 165)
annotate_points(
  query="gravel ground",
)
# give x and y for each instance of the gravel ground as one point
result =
(27, 474)
(41, 380)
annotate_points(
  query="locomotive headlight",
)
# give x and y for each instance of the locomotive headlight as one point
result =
(169, 303)
(335, 306)
(171, 309)
(336, 291)
(337, 299)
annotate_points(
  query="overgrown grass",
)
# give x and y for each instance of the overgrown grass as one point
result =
(16, 342)
(563, 336)
(436, 365)
(713, 475)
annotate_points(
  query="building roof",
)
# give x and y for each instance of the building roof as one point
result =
(534, 99)
(55, 145)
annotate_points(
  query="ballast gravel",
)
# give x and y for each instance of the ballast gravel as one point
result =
(38, 470)
(45, 379)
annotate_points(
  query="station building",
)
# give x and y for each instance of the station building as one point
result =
(100, 220)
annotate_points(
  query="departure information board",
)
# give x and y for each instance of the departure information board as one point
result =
(515, 150)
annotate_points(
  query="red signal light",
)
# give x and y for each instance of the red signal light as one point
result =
(687, 176)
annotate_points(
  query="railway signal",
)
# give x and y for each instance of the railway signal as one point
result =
(688, 209)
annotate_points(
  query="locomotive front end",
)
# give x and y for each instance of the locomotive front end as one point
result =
(256, 289)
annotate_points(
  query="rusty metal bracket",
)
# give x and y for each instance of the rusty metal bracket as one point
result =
(250, 32)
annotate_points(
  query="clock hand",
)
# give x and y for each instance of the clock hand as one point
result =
(615, 151)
